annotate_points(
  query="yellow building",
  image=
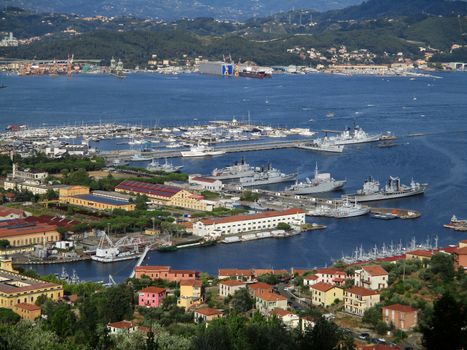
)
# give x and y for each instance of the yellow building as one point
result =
(17, 289)
(191, 293)
(324, 294)
(99, 200)
(26, 234)
(165, 195)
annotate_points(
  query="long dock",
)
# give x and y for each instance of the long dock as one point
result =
(126, 155)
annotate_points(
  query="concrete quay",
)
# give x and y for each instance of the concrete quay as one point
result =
(125, 155)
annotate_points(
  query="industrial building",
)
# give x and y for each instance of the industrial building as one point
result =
(217, 68)
(98, 200)
(165, 195)
(244, 223)
(23, 233)
(25, 180)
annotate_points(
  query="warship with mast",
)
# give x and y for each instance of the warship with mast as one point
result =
(393, 189)
(235, 171)
(322, 182)
(266, 176)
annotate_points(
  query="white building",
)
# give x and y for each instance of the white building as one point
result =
(205, 183)
(229, 287)
(288, 318)
(244, 223)
(9, 41)
(357, 300)
(267, 302)
(373, 277)
(121, 327)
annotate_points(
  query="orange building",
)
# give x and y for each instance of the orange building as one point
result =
(165, 273)
(460, 257)
(403, 317)
(27, 311)
(259, 288)
(21, 233)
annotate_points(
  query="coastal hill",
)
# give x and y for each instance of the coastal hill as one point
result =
(434, 24)
(175, 9)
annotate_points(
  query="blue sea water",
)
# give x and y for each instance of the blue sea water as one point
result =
(434, 108)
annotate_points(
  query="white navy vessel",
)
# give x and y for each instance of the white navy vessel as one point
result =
(201, 151)
(322, 145)
(393, 189)
(235, 171)
(109, 252)
(346, 209)
(266, 176)
(352, 136)
(166, 167)
(322, 182)
(139, 158)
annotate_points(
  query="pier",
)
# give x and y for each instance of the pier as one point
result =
(140, 260)
(126, 155)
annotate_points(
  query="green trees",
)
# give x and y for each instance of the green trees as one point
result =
(7, 316)
(283, 226)
(249, 196)
(242, 301)
(4, 243)
(447, 326)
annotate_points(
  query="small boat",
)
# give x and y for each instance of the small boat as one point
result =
(385, 216)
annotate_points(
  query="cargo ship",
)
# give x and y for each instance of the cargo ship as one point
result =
(392, 190)
(251, 72)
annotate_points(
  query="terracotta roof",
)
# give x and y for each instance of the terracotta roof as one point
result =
(268, 214)
(322, 287)
(207, 311)
(260, 272)
(420, 252)
(121, 324)
(375, 270)
(301, 272)
(24, 229)
(232, 283)
(194, 283)
(268, 296)
(330, 271)
(152, 289)
(311, 278)
(281, 312)
(400, 308)
(204, 179)
(7, 211)
(361, 291)
(235, 272)
(463, 241)
(52, 220)
(259, 285)
(152, 268)
(148, 188)
(461, 251)
(27, 306)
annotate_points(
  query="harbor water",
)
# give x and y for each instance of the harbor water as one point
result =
(427, 114)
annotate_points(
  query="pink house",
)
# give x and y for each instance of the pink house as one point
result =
(151, 296)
